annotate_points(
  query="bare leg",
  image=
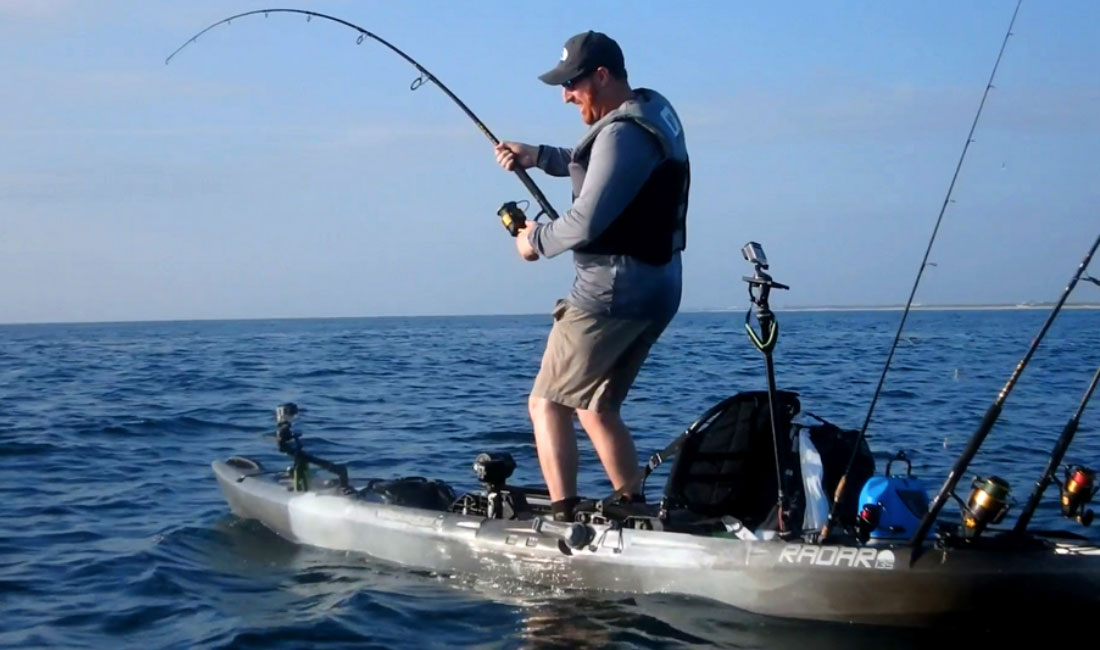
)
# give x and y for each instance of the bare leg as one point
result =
(613, 444)
(557, 446)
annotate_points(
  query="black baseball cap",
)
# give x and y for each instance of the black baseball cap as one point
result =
(584, 53)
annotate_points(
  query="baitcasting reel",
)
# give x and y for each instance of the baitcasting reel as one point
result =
(988, 503)
(1077, 490)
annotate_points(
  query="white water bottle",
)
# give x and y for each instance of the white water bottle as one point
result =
(817, 504)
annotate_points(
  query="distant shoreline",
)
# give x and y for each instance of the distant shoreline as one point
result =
(692, 310)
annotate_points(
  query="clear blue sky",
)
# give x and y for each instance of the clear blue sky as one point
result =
(277, 169)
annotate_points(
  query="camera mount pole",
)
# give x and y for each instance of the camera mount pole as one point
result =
(769, 328)
(290, 443)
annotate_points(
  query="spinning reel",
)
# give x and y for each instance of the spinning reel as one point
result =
(1078, 489)
(988, 504)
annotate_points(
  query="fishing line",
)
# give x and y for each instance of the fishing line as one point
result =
(425, 76)
(838, 493)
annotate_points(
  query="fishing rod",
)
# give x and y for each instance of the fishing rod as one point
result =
(842, 484)
(425, 76)
(1080, 478)
(994, 411)
(1079, 484)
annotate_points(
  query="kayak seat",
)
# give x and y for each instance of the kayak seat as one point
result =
(409, 491)
(726, 465)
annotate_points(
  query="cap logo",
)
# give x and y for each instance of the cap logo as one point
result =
(564, 54)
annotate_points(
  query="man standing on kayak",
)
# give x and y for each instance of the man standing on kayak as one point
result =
(626, 228)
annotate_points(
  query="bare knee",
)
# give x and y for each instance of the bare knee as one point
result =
(541, 409)
(598, 420)
(537, 406)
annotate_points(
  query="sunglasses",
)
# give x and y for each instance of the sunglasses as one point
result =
(575, 80)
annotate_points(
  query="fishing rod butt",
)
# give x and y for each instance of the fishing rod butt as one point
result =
(837, 494)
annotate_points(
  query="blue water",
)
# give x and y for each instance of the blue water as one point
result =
(116, 534)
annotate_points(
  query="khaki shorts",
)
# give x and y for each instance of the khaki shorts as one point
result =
(591, 360)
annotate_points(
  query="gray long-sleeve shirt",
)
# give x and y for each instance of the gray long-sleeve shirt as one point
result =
(622, 158)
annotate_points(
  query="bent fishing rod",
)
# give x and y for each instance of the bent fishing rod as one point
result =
(994, 411)
(425, 76)
(842, 484)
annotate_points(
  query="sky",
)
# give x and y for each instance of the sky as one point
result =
(277, 169)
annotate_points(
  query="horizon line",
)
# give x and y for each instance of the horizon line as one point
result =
(1027, 305)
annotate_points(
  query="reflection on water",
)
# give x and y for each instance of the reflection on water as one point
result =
(666, 621)
(320, 583)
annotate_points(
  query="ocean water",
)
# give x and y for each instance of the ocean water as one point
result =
(116, 534)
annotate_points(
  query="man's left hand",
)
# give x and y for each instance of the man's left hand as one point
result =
(526, 250)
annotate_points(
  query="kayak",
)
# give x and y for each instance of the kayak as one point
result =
(879, 582)
(743, 520)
